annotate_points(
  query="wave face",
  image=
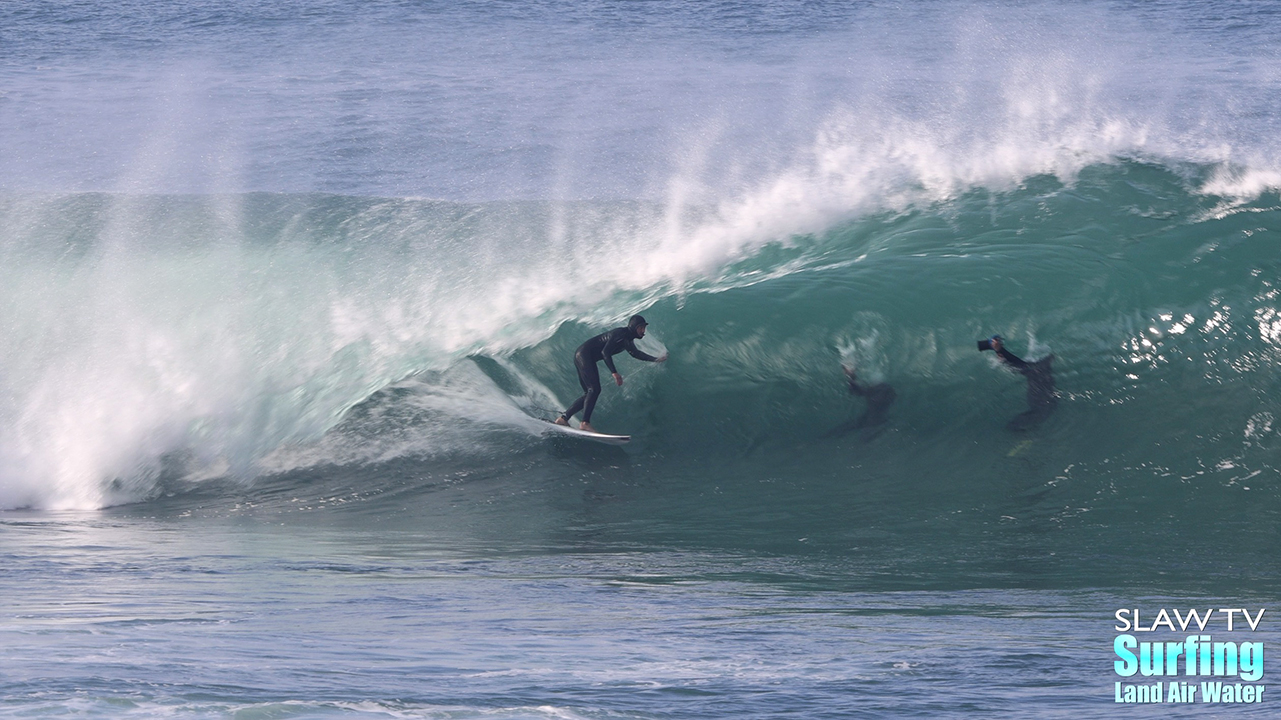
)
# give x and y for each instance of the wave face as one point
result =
(301, 355)
(352, 262)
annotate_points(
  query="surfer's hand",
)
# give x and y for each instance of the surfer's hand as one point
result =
(618, 378)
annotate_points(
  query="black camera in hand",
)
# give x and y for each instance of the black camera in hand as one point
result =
(987, 344)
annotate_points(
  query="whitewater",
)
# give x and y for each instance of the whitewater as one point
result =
(287, 287)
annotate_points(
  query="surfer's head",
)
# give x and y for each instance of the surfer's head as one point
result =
(637, 324)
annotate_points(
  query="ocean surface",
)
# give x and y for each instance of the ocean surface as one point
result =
(288, 286)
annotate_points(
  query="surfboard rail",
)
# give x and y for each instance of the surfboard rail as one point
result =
(597, 437)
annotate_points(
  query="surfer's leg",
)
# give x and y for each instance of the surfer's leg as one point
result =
(580, 364)
(589, 376)
(1022, 422)
(572, 411)
(1030, 419)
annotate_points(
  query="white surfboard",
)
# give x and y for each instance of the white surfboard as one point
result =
(598, 437)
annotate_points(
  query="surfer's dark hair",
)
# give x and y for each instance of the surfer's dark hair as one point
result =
(635, 322)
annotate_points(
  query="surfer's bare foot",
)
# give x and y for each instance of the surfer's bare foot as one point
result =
(587, 427)
(561, 421)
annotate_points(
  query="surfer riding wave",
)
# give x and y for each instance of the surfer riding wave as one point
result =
(603, 347)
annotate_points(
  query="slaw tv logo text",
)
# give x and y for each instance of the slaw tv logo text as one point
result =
(1199, 667)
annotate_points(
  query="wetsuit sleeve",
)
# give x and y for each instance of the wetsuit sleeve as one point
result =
(1012, 360)
(609, 363)
(856, 389)
(630, 347)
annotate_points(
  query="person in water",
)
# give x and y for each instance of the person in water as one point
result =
(879, 397)
(1042, 397)
(603, 347)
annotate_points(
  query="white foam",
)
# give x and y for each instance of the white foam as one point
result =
(1242, 183)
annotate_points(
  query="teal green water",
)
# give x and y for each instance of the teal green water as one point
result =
(285, 286)
(1159, 304)
(1156, 298)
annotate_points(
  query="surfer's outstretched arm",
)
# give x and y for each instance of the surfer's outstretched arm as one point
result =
(630, 347)
(1041, 393)
(1009, 358)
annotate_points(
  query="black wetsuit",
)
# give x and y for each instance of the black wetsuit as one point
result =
(1042, 396)
(879, 397)
(602, 347)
